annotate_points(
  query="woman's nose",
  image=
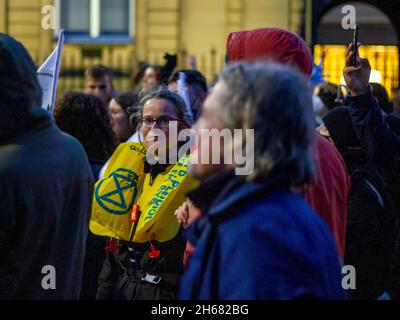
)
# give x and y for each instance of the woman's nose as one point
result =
(155, 125)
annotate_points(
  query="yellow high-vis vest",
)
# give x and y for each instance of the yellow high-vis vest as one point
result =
(126, 185)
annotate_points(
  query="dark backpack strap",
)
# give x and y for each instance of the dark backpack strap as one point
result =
(368, 176)
(376, 193)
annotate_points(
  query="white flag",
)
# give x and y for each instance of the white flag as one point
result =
(183, 92)
(48, 75)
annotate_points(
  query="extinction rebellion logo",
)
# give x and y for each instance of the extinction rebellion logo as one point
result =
(121, 191)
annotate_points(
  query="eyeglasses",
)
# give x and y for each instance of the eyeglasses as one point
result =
(162, 122)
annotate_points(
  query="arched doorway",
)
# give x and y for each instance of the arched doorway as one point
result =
(378, 38)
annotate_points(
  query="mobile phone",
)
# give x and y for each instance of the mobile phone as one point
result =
(355, 42)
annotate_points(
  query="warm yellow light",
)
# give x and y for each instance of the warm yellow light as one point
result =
(384, 61)
(376, 76)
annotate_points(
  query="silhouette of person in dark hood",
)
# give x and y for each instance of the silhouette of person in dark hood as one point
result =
(20, 91)
(46, 186)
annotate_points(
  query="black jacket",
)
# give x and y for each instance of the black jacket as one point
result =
(95, 253)
(371, 234)
(120, 279)
(378, 139)
(46, 189)
(383, 148)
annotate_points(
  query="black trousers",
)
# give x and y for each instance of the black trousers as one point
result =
(133, 288)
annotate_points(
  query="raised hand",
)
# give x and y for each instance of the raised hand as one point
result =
(356, 77)
(182, 214)
(187, 213)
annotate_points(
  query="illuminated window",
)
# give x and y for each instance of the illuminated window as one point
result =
(384, 61)
(377, 34)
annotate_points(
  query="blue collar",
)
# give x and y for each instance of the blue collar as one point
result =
(233, 194)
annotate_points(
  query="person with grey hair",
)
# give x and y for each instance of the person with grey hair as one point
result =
(257, 239)
(136, 271)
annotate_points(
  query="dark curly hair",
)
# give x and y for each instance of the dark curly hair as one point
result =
(85, 118)
(127, 100)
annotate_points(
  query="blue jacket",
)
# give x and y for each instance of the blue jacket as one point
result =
(257, 243)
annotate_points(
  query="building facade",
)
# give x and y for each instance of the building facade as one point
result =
(122, 33)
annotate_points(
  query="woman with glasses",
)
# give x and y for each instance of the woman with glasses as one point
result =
(141, 269)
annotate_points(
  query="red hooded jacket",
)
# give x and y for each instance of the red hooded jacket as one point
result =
(328, 195)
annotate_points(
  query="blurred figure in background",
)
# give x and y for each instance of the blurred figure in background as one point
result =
(119, 116)
(257, 239)
(382, 97)
(99, 83)
(151, 79)
(319, 109)
(122, 110)
(379, 141)
(153, 76)
(396, 104)
(85, 117)
(328, 194)
(136, 85)
(371, 228)
(46, 186)
(327, 96)
(197, 89)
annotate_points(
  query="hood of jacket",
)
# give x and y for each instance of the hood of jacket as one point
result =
(270, 44)
(20, 91)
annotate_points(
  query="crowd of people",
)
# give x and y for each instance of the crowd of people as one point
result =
(79, 193)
